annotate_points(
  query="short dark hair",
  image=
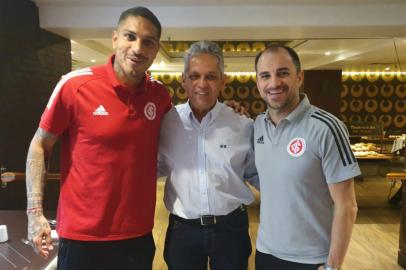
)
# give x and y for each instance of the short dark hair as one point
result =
(142, 12)
(275, 47)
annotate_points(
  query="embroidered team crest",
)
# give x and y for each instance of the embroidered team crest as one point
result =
(150, 111)
(296, 147)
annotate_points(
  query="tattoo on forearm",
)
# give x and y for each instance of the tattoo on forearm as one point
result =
(36, 169)
(34, 202)
(35, 179)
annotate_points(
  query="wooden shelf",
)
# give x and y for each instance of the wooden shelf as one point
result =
(384, 157)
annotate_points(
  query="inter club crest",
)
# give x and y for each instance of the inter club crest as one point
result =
(296, 147)
(150, 111)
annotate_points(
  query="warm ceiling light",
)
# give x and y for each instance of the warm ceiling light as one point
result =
(373, 73)
(92, 60)
(387, 68)
(72, 41)
(72, 52)
(327, 53)
(239, 73)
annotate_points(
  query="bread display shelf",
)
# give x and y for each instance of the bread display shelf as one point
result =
(370, 151)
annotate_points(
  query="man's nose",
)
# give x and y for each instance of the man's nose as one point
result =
(137, 46)
(202, 82)
(274, 82)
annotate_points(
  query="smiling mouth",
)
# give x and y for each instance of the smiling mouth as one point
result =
(137, 60)
(274, 92)
(201, 93)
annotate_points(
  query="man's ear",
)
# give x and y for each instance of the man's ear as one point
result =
(114, 38)
(183, 80)
(223, 82)
(300, 77)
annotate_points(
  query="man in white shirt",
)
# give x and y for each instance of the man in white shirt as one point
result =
(206, 152)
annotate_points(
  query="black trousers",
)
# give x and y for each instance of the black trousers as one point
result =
(226, 245)
(130, 254)
(268, 262)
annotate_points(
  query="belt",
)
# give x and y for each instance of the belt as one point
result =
(205, 220)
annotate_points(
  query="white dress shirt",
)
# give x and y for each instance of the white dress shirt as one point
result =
(206, 163)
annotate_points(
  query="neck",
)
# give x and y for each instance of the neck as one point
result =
(276, 115)
(199, 114)
(132, 80)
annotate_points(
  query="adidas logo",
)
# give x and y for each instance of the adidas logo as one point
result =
(100, 111)
(260, 140)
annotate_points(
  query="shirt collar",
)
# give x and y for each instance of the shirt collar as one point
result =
(299, 111)
(209, 117)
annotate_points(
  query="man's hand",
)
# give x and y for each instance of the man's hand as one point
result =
(39, 234)
(237, 107)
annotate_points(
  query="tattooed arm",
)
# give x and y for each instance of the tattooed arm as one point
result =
(39, 153)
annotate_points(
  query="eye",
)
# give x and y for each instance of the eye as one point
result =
(283, 73)
(211, 77)
(264, 76)
(130, 37)
(193, 77)
(149, 42)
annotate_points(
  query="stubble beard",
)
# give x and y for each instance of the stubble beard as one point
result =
(131, 76)
(280, 107)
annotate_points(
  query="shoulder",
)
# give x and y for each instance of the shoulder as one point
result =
(232, 117)
(70, 83)
(176, 111)
(155, 84)
(260, 119)
(181, 109)
(320, 119)
(157, 90)
(173, 118)
(170, 114)
(77, 77)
